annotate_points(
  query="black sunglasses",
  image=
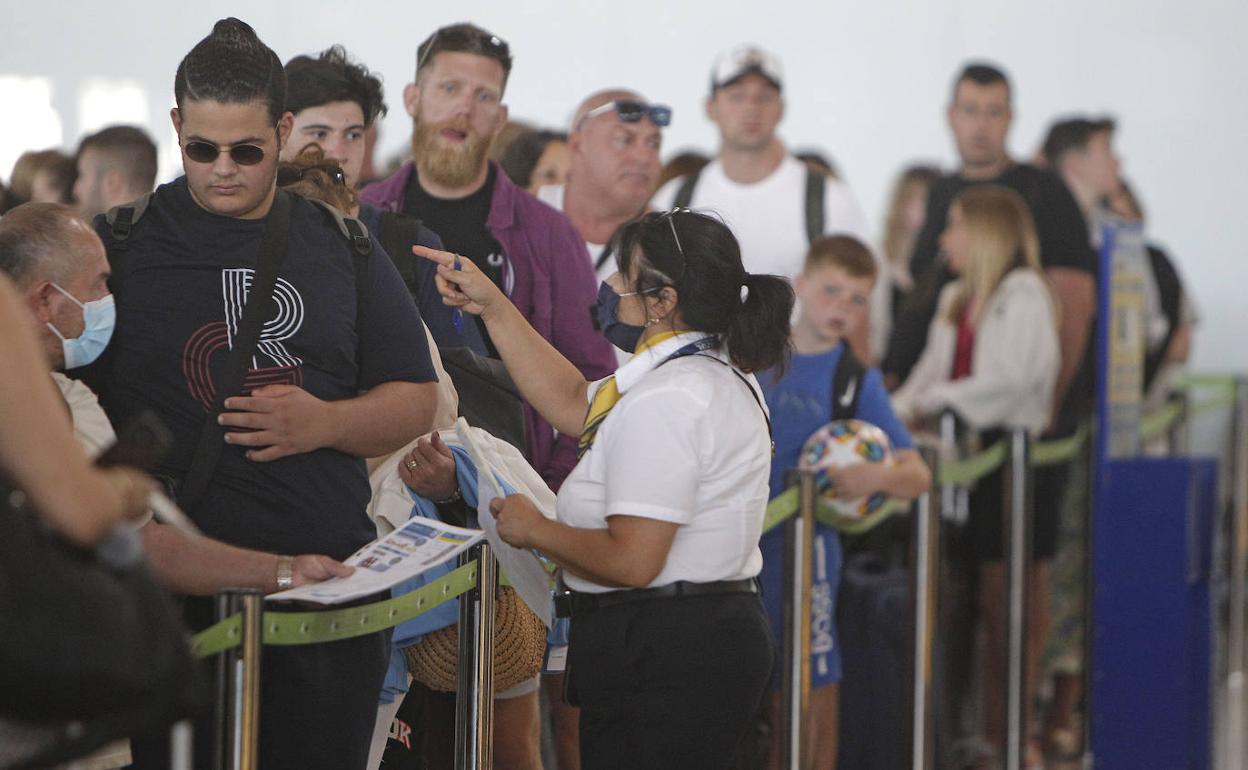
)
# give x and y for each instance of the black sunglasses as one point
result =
(289, 174)
(242, 154)
(632, 111)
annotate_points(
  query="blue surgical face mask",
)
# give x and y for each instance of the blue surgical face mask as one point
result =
(623, 336)
(98, 318)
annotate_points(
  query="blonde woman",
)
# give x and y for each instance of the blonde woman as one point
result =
(907, 211)
(992, 357)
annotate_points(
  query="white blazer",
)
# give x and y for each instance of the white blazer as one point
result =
(1014, 364)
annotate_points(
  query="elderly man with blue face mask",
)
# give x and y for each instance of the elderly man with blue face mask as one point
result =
(58, 264)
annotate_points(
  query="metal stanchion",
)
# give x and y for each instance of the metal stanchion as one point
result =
(799, 533)
(181, 739)
(237, 717)
(474, 704)
(948, 452)
(1180, 432)
(926, 594)
(221, 688)
(1236, 693)
(1018, 517)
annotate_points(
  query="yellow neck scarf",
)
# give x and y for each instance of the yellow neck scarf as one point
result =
(606, 397)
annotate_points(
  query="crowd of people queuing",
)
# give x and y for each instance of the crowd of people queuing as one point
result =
(657, 344)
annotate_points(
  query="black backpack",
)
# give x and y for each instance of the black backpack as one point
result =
(488, 398)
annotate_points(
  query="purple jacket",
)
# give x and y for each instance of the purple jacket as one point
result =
(551, 281)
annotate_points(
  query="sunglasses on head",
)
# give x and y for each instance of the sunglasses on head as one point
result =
(288, 174)
(632, 111)
(242, 154)
(463, 40)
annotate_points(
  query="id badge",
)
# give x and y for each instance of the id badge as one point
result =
(556, 659)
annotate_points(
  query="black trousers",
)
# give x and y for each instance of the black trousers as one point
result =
(669, 683)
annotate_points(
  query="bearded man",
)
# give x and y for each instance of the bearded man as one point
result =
(530, 250)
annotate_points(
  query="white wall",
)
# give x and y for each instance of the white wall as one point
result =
(866, 81)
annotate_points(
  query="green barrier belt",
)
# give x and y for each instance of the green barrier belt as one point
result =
(1156, 423)
(1060, 450)
(288, 628)
(285, 628)
(1206, 379)
(973, 468)
(785, 504)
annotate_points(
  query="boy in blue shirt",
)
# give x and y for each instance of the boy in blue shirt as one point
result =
(833, 292)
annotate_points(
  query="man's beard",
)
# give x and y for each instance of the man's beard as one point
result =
(453, 166)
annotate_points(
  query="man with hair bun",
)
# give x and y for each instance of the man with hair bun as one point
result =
(338, 375)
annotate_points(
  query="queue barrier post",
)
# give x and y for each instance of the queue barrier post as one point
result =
(1180, 429)
(1237, 648)
(1018, 507)
(926, 596)
(795, 677)
(474, 703)
(237, 716)
(181, 737)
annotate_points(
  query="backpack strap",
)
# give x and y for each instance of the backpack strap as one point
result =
(122, 219)
(847, 385)
(815, 188)
(351, 228)
(257, 310)
(684, 193)
(397, 232)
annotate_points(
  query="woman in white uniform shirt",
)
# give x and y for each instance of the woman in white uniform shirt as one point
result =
(658, 524)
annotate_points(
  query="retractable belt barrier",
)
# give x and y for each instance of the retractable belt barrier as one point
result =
(287, 628)
(241, 634)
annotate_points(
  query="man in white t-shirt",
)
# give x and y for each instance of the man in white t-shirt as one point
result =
(769, 198)
(614, 139)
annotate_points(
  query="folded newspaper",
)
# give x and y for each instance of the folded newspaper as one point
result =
(418, 545)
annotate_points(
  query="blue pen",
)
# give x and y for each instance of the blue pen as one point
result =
(457, 315)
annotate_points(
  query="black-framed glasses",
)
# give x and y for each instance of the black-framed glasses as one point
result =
(632, 111)
(206, 152)
(288, 174)
(458, 39)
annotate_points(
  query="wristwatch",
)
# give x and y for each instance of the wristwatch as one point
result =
(285, 572)
(454, 498)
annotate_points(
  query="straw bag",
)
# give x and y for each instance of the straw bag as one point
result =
(519, 644)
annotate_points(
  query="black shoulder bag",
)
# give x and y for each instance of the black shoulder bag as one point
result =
(255, 312)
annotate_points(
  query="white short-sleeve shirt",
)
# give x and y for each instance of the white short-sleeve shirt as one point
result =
(687, 443)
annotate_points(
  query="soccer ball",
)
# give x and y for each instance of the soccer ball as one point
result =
(836, 445)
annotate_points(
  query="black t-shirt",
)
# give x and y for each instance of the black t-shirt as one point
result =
(1063, 235)
(180, 282)
(460, 222)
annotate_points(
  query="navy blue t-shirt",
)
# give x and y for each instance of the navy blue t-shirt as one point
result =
(180, 282)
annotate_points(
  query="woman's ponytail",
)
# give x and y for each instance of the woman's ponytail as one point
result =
(758, 333)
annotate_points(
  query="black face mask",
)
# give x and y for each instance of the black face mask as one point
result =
(623, 336)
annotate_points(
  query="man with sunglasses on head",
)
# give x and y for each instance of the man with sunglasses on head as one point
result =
(774, 203)
(528, 249)
(615, 139)
(336, 376)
